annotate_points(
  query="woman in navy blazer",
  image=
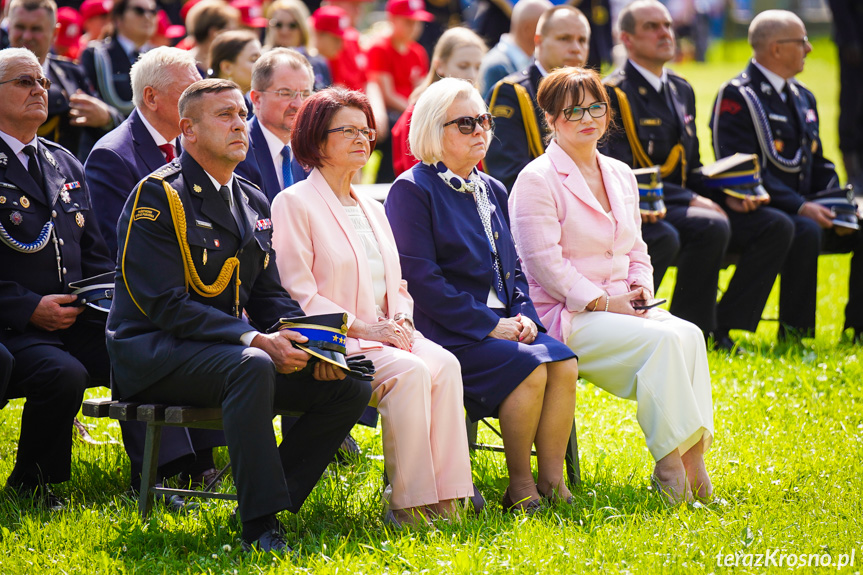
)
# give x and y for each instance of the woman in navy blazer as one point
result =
(451, 226)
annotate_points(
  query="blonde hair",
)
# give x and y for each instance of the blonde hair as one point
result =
(300, 13)
(449, 42)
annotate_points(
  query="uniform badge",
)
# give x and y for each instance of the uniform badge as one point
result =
(16, 218)
(642, 91)
(266, 260)
(779, 145)
(72, 185)
(811, 116)
(2, 199)
(197, 188)
(64, 195)
(3, 159)
(767, 88)
(204, 258)
(25, 203)
(144, 213)
(814, 146)
(216, 243)
(50, 158)
(264, 224)
(79, 219)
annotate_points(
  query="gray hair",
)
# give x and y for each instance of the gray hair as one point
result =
(265, 66)
(10, 55)
(429, 116)
(626, 20)
(767, 25)
(156, 68)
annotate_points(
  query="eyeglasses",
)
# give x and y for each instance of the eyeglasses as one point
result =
(141, 11)
(29, 82)
(576, 113)
(288, 93)
(352, 132)
(802, 41)
(466, 124)
(279, 25)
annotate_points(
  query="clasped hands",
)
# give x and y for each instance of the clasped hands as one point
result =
(394, 333)
(622, 304)
(289, 359)
(519, 328)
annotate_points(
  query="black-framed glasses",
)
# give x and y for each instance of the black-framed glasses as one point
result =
(802, 41)
(288, 93)
(29, 82)
(576, 113)
(352, 132)
(141, 11)
(467, 124)
(279, 25)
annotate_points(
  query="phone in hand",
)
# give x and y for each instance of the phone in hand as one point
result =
(640, 304)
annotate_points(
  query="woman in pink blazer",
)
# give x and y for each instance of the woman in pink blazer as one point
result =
(336, 253)
(576, 222)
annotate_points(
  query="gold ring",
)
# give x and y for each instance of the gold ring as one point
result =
(398, 331)
(296, 368)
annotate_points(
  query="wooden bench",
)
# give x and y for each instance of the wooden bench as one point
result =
(157, 416)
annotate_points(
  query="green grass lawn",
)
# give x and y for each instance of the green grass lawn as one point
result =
(786, 465)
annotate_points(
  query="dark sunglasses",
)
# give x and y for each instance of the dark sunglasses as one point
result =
(466, 124)
(576, 113)
(141, 11)
(29, 82)
(279, 25)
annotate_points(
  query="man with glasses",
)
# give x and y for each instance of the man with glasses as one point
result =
(656, 110)
(76, 119)
(48, 240)
(281, 79)
(765, 111)
(562, 39)
(107, 63)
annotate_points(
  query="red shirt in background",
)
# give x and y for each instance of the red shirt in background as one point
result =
(349, 68)
(407, 69)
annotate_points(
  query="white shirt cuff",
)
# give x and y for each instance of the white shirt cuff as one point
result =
(246, 338)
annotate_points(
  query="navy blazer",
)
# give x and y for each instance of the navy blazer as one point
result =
(446, 258)
(258, 166)
(120, 79)
(118, 161)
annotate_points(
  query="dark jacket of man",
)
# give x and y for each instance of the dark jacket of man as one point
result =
(258, 166)
(107, 67)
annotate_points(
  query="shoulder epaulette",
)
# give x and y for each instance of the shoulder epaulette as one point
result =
(247, 181)
(166, 170)
(614, 78)
(53, 144)
(65, 59)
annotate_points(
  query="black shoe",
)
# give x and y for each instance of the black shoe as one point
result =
(40, 495)
(793, 335)
(271, 541)
(477, 500)
(348, 451)
(723, 342)
(174, 503)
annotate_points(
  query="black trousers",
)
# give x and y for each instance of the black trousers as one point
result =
(51, 371)
(7, 362)
(799, 283)
(663, 245)
(761, 239)
(850, 104)
(244, 383)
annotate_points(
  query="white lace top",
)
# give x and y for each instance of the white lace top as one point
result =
(373, 254)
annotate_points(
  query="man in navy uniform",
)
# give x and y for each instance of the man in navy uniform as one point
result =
(562, 38)
(765, 111)
(76, 119)
(143, 143)
(281, 79)
(48, 240)
(656, 108)
(195, 255)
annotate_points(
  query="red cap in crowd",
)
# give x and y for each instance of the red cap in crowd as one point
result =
(69, 29)
(251, 13)
(186, 7)
(413, 9)
(91, 8)
(331, 19)
(168, 30)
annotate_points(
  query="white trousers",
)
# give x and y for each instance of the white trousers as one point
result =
(660, 362)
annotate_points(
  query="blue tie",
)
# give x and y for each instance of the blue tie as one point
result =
(287, 177)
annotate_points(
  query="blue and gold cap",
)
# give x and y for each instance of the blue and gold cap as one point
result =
(650, 194)
(95, 292)
(327, 333)
(841, 202)
(738, 176)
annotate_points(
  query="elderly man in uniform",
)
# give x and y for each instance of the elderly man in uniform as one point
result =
(562, 39)
(656, 108)
(765, 111)
(76, 119)
(48, 239)
(195, 255)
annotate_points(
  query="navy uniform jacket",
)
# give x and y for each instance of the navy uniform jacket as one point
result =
(258, 166)
(115, 166)
(657, 129)
(792, 160)
(112, 83)
(446, 258)
(24, 210)
(154, 312)
(517, 139)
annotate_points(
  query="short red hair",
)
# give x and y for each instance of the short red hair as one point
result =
(314, 118)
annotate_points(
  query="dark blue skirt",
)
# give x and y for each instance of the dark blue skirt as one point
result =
(492, 368)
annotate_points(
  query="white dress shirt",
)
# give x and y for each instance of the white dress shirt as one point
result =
(275, 145)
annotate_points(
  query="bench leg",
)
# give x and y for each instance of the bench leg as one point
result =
(573, 469)
(152, 441)
(471, 428)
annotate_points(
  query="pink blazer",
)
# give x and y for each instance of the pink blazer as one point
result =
(321, 259)
(571, 250)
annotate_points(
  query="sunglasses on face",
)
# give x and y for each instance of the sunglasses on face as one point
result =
(141, 11)
(29, 82)
(352, 132)
(279, 25)
(576, 113)
(466, 124)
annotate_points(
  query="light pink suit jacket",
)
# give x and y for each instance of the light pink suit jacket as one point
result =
(311, 232)
(572, 252)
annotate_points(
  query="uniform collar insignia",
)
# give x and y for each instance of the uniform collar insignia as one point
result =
(197, 188)
(766, 88)
(3, 159)
(49, 157)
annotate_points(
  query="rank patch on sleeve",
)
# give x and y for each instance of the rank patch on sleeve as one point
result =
(145, 214)
(729, 106)
(264, 224)
(502, 112)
